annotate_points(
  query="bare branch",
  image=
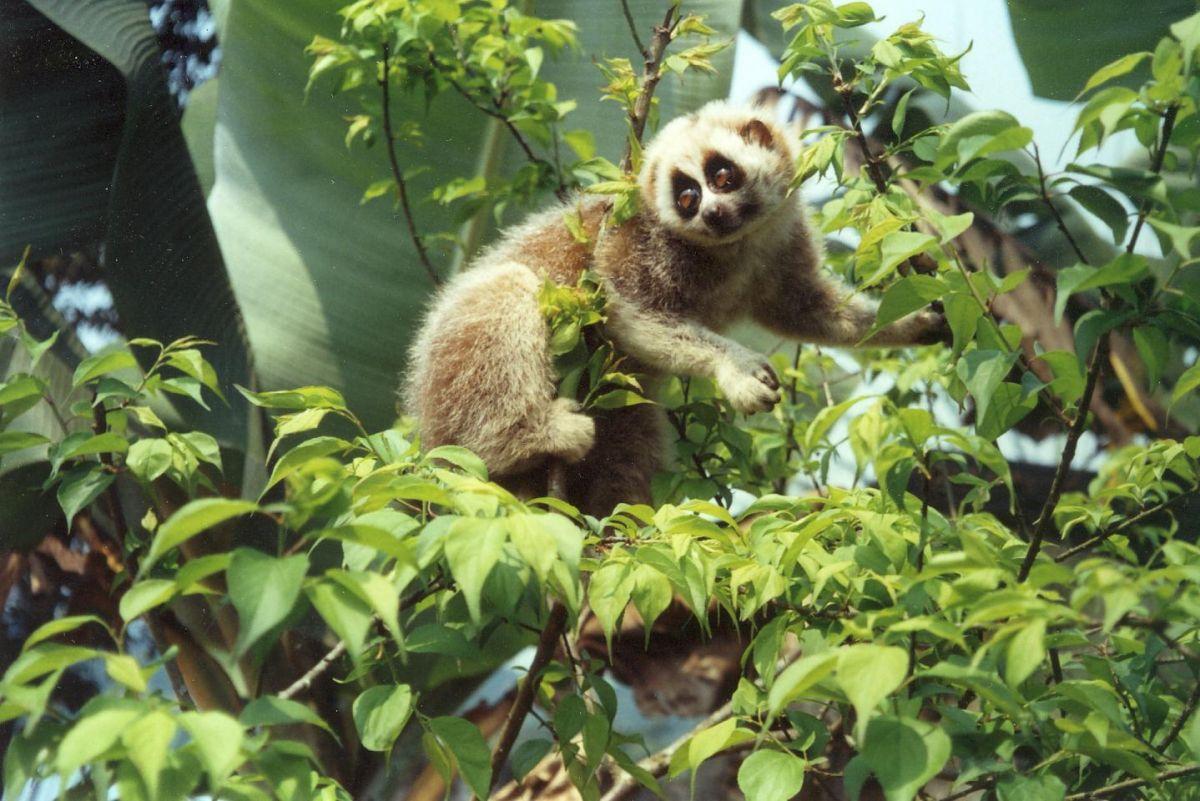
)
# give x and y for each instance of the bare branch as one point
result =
(1042, 525)
(397, 175)
(306, 681)
(1124, 525)
(556, 624)
(656, 765)
(651, 74)
(1185, 714)
(633, 31)
(1120, 787)
(1155, 167)
(1058, 218)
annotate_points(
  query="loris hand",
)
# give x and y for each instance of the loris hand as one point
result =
(749, 384)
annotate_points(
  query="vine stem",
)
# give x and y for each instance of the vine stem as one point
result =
(397, 175)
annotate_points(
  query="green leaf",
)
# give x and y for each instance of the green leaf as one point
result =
(770, 776)
(609, 592)
(378, 592)
(1189, 381)
(527, 755)
(708, 742)
(125, 670)
(147, 741)
(470, 751)
(868, 674)
(1105, 206)
(11, 441)
(263, 590)
(983, 371)
(905, 296)
(191, 519)
(218, 738)
(472, 549)
(145, 595)
(346, 614)
(1180, 237)
(91, 736)
(797, 678)
(899, 246)
(269, 710)
(103, 363)
(150, 458)
(904, 754)
(81, 486)
(55, 627)
(980, 134)
(1115, 69)
(380, 714)
(1026, 650)
(1047, 787)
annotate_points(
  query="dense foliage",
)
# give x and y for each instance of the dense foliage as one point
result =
(953, 644)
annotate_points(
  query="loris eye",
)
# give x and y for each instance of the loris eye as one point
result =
(688, 201)
(721, 174)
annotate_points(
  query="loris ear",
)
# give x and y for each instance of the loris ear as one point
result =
(756, 132)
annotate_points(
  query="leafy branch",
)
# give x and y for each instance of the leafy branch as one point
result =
(397, 174)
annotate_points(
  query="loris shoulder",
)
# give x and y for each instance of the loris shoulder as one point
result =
(719, 237)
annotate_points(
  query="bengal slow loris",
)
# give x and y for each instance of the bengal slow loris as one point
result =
(719, 238)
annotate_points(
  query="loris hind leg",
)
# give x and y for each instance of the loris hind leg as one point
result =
(481, 375)
(631, 444)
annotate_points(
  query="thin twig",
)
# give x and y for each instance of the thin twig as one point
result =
(1078, 426)
(1155, 167)
(306, 681)
(656, 765)
(651, 75)
(556, 624)
(1185, 714)
(633, 31)
(397, 175)
(1121, 787)
(1058, 218)
(1128, 523)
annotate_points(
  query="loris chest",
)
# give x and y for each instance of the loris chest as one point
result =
(709, 286)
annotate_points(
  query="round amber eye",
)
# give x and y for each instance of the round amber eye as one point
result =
(724, 178)
(688, 199)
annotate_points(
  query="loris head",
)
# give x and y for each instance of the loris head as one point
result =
(715, 175)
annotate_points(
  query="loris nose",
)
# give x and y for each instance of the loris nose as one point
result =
(715, 217)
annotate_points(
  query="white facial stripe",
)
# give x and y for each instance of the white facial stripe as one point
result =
(682, 146)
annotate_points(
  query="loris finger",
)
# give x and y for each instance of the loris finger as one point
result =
(766, 374)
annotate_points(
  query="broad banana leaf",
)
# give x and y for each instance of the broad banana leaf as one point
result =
(1062, 42)
(93, 154)
(331, 290)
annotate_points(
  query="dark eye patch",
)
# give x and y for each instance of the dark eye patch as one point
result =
(687, 193)
(721, 174)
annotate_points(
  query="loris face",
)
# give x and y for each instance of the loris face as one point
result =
(714, 176)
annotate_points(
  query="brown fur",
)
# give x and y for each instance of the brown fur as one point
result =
(481, 372)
